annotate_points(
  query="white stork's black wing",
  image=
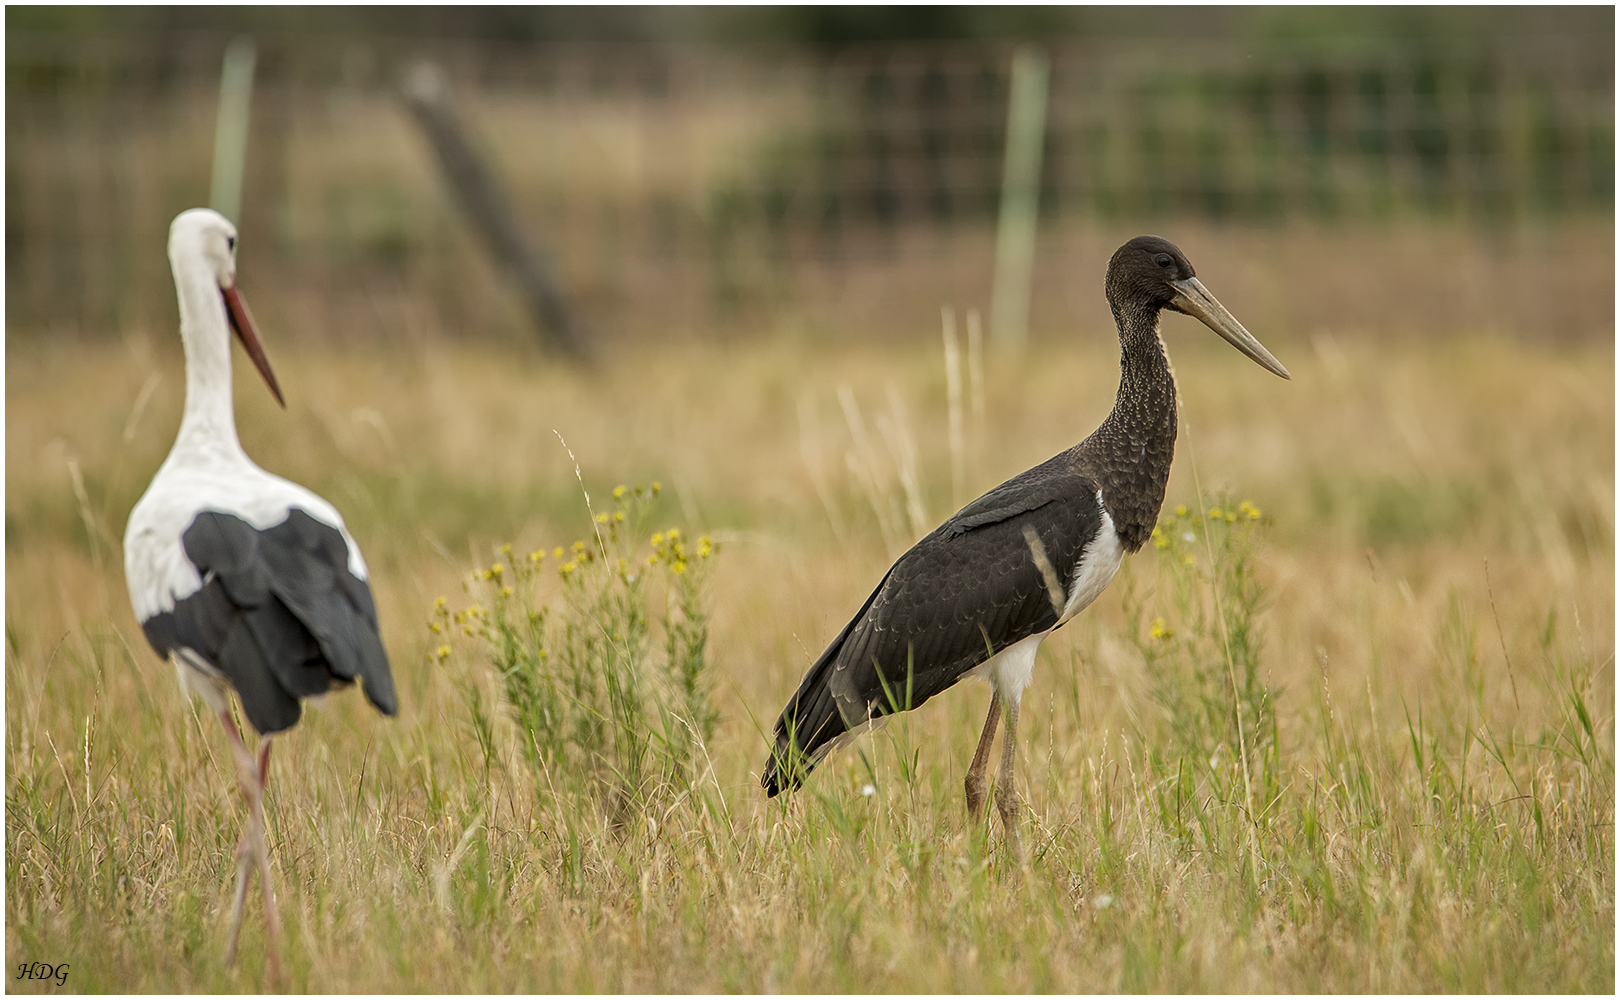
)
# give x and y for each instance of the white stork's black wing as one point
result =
(279, 614)
(964, 593)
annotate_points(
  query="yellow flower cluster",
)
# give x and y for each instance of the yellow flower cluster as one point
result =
(582, 555)
(1160, 630)
(472, 619)
(1244, 509)
(621, 491)
(670, 548)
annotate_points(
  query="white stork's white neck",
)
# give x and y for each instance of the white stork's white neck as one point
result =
(209, 423)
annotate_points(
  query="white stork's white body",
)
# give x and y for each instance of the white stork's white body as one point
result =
(155, 563)
(247, 581)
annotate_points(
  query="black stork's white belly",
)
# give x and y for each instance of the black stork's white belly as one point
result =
(1010, 671)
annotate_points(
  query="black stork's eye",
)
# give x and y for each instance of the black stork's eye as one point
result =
(1163, 260)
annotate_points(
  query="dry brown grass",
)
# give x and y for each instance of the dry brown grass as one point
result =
(1392, 471)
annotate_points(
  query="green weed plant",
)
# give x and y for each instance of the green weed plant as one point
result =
(1201, 652)
(603, 709)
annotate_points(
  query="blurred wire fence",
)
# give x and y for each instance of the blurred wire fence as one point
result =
(677, 186)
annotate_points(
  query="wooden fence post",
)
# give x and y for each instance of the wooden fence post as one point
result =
(428, 95)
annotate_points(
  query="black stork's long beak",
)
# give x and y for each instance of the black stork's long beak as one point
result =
(242, 322)
(1194, 299)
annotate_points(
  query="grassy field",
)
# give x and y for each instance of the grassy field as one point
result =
(1426, 604)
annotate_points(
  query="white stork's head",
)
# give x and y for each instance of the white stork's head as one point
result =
(203, 237)
(202, 234)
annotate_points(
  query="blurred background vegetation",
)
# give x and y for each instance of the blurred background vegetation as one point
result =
(822, 172)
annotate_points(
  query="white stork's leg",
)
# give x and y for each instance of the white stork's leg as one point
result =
(976, 784)
(246, 777)
(1006, 796)
(251, 776)
(262, 849)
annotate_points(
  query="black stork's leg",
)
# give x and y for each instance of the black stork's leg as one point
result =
(976, 783)
(1006, 795)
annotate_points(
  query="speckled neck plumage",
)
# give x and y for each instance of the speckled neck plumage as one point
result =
(1129, 455)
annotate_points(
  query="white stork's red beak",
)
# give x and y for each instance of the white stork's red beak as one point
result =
(242, 322)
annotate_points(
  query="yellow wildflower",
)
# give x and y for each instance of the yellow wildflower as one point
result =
(1181, 510)
(619, 492)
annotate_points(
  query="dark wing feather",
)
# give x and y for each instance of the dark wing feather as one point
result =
(279, 614)
(962, 594)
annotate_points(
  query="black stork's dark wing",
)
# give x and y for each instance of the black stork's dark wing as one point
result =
(967, 591)
(279, 614)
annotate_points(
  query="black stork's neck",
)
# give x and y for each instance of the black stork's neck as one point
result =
(1129, 455)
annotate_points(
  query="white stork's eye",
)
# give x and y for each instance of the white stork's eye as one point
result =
(230, 243)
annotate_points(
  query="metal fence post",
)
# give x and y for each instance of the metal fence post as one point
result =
(231, 129)
(1020, 193)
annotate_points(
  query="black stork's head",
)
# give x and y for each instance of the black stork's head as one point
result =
(203, 236)
(1150, 273)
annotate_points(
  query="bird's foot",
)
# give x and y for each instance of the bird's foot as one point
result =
(1008, 806)
(977, 789)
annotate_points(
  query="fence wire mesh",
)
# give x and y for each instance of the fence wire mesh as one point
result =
(715, 179)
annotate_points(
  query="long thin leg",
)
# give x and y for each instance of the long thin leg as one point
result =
(271, 915)
(247, 779)
(976, 784)
(1006, 795)
(251, 849)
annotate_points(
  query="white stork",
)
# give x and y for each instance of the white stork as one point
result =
(978, 595)
(246, 581)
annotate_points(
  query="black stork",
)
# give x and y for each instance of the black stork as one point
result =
(247, 581)
(977, 595)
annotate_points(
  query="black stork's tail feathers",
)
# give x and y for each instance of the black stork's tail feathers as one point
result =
(805, 732)
(280, 614)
